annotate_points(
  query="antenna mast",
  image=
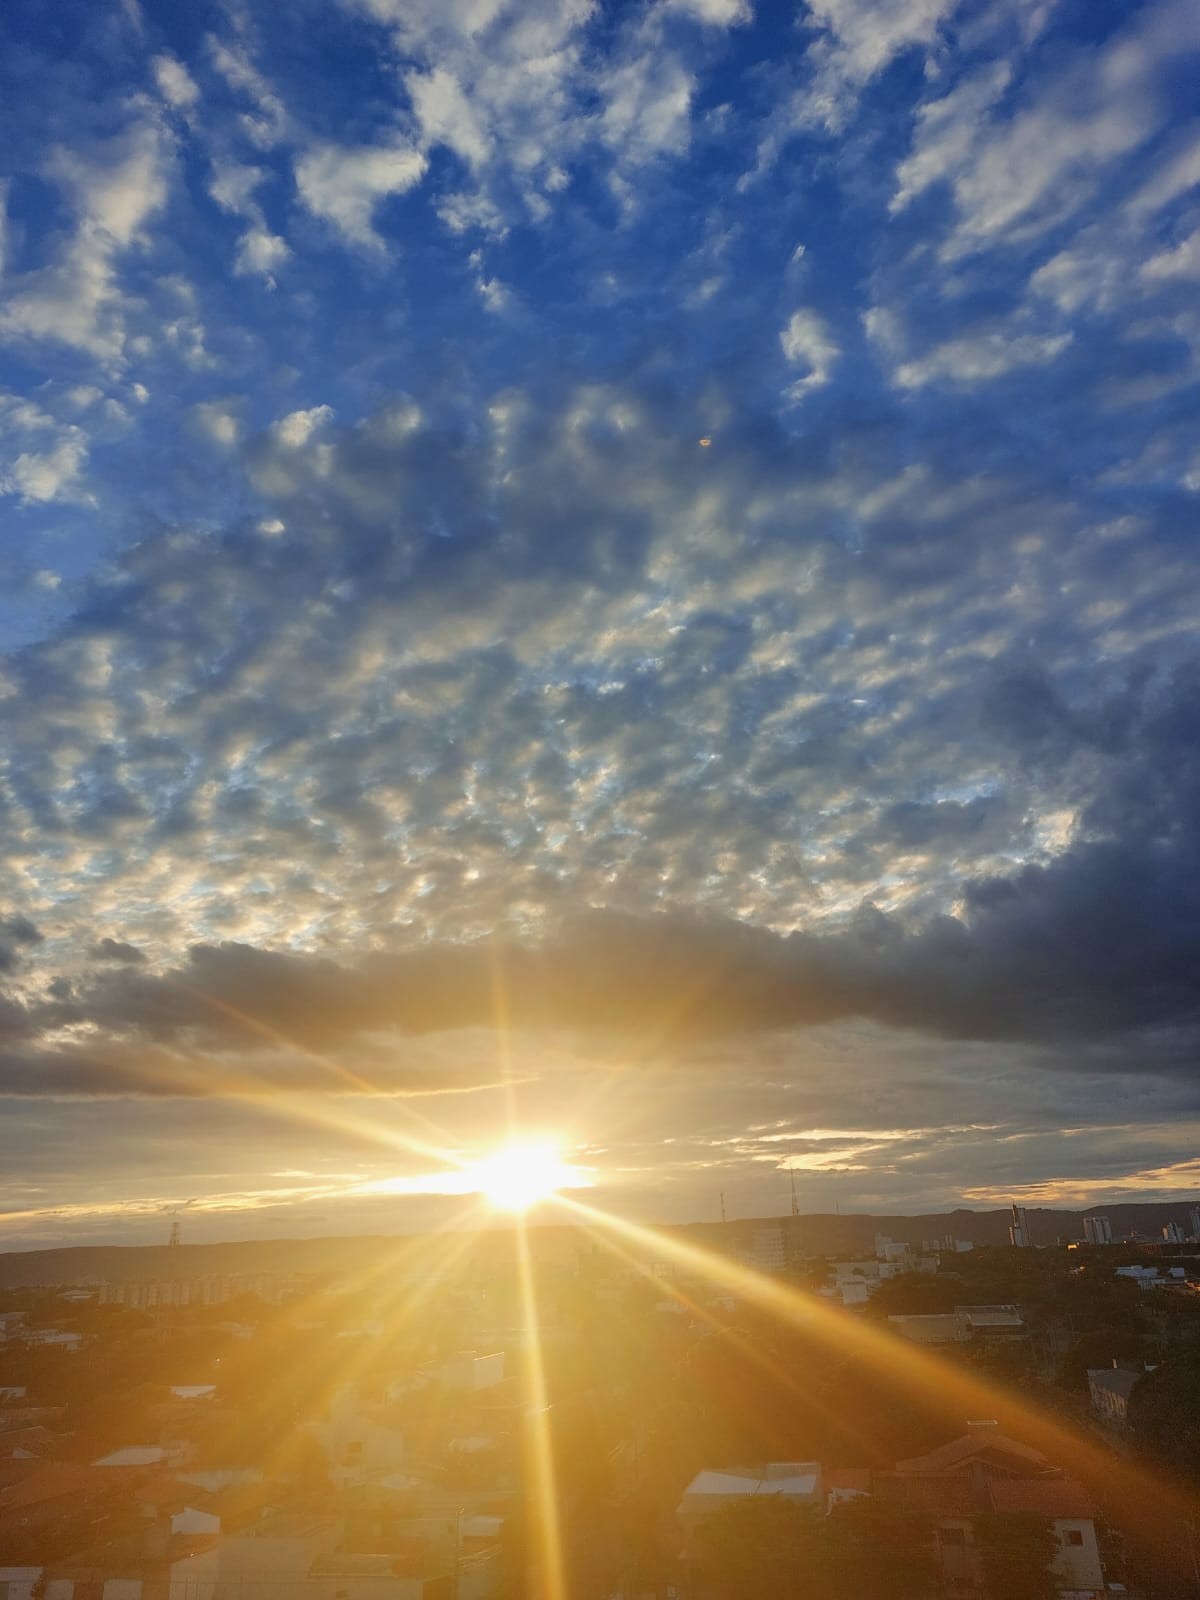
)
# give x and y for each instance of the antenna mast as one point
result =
(795, 1202)
(722, 1205)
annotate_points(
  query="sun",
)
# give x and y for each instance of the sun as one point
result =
(519, 1175)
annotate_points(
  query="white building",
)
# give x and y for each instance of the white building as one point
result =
(1097, 1230)
(797, 1482)
(768, 1248)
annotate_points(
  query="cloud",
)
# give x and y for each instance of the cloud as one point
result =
(76, 298)
(807, 341)
(715, 13)
(343, 186)
(40, 477)
(979, 358)
(446, 115)
(259, 250)
(842, 763)
(218, 421)
(298, 427)
(17, 936)
(1013, 177)
(175, 83)
(1183, 261)
(115, 950)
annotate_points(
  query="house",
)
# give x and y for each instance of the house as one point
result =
(797, 1482)
(1066, 1506)
(304, 1557)
(992, 1322)
(1109, 1389)
(937, 1327)
(961, 1325)
(986, 1471)
(982, 1452)
(60, 1338)
(55, 1499)
(357, 1438)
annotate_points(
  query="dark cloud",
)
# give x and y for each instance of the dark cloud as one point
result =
(116, 950)
(17, 936)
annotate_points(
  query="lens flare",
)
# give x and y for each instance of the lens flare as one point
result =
(520, 1175)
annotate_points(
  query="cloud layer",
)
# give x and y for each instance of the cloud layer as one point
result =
(654, 535)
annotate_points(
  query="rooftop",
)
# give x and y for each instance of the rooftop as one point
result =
(1116, 1380)
(971, 1447)
(800, 1479)
(1046, 1497)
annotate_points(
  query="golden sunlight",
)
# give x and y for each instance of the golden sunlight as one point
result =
(519, 1175)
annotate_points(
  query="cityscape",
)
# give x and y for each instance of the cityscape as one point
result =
(723, 1413)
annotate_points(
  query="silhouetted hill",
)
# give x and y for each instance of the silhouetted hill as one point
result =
(833, 1234)
(815, 1233)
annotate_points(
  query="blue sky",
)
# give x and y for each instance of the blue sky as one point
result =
(681, 515)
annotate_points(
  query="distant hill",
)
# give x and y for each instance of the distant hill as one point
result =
(815, 1234)
(832, 1234)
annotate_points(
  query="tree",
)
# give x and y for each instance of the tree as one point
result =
(879, 1550)
(1164, 1414)
(1099, 1349)
(761, 1548)
(914, 1293)
(1016, 1549)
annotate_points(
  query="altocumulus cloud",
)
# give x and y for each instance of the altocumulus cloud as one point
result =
(406, 648)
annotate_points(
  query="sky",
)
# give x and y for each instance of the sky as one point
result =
(628, 566)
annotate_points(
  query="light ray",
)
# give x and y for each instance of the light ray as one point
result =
(335, 1372)
(1145, 1495)
(758, 1358)
(548, 1583)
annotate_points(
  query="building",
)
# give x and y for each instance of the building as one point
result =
(1097, 1230)
(936, 1327)
(891, 1249)
(797, 1482)
(1174, 1234)
(212, 1289)
(1194, 1223)
(986, 1471)
(1109, 1389)
(961, 1325)
(1018, 1233)
(768, 1248)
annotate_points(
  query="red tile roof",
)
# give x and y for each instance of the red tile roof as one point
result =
(37, 1441)
(977, 1447)
(1046, 1497)
(53, 1481)
(932, 1495)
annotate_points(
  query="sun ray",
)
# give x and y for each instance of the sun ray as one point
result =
(758, 1358)
(548, 1582)
(1145, 1494)
(334, 1372)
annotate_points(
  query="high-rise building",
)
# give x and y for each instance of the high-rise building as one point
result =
(1194, 1219)
(1018, 1233)
(1173, 1233)
(1097, 1230)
